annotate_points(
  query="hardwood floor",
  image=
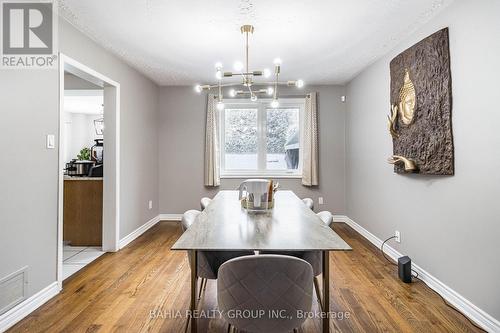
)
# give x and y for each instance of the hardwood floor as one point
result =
(135, 290)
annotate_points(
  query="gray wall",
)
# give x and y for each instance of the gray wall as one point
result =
(449, 225)
(138, 126)
(182, 139)
(28, 175)
(29, 105)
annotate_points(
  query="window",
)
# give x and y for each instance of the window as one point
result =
(257, 140)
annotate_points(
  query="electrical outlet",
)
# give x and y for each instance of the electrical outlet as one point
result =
(397, 234)
(320, 200)
(150, 204)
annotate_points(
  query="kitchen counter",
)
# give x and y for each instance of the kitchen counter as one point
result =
(81, 178)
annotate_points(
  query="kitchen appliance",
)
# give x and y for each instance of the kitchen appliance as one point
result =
(97, 151)
(79, 168)
(70, 168)
(257, 194)
(96, 171)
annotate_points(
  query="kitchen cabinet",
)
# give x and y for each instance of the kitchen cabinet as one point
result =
(82, 224)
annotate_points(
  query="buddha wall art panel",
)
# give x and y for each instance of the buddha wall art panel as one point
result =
(420, 116)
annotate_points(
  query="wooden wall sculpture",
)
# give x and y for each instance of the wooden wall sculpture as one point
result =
(420, 119)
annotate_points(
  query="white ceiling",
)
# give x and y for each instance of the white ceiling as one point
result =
(177, 42)
(84, 101)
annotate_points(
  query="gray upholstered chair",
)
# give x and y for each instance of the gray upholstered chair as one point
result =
(204, 202)
(208, 261)
(309, 203)
(314, 258)
(262, 284)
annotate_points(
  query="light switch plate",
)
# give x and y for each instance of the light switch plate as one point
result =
(51, 141)
(320, 200)
(150, 204)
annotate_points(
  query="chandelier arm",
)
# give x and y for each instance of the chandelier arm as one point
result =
(247, 53)
(254, 73)
(273, 83)
(235, 84)
(220, 91)
(275, 92)
(250, 90)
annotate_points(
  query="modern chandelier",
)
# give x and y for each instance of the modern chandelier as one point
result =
(248, 86)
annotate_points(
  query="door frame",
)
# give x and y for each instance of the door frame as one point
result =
(111, 179)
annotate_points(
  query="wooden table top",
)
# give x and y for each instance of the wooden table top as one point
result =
(290, 226)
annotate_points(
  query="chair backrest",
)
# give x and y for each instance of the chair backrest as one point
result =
(204, 202)
(326, 217)
(188, 218)
(206, 260)
(309, 203)
(270, 289)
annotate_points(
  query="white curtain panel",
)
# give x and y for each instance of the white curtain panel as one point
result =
(212, 151)
(310, 152)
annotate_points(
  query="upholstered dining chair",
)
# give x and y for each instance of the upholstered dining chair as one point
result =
(204, 202)
(309, 203)
(314, 258)
(261, 285)
(208, 261)
(326, 217)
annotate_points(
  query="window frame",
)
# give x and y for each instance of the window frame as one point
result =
(262, 105)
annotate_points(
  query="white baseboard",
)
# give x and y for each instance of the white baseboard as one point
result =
(11, 317)
(137, 232)
(480, 317)
(170, 217)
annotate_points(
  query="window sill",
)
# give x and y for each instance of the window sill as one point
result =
(275, 176)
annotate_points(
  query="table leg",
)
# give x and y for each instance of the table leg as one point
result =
(194, 273)
(326, 292)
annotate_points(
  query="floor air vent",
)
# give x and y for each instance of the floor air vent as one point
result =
(13, 289)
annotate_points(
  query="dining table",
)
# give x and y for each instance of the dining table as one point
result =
(289, 226)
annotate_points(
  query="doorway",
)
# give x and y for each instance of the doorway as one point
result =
(93, 173)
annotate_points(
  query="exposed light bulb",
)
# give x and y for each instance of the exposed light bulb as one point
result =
(275, 104)
(270, 91)
(218, 75)
(253, 98)
(299, 83)
(277, 61)
(218, 65)
(197, 88)
(266, 73)
(238, 66)
(220, 106)
(232, 92)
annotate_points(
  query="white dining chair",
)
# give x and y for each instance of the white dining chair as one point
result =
(265, 284)
(204, 202)
(326, 217)
(205, 268)
(309, 203)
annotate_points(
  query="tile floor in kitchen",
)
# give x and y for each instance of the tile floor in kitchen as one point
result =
(77, 257)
